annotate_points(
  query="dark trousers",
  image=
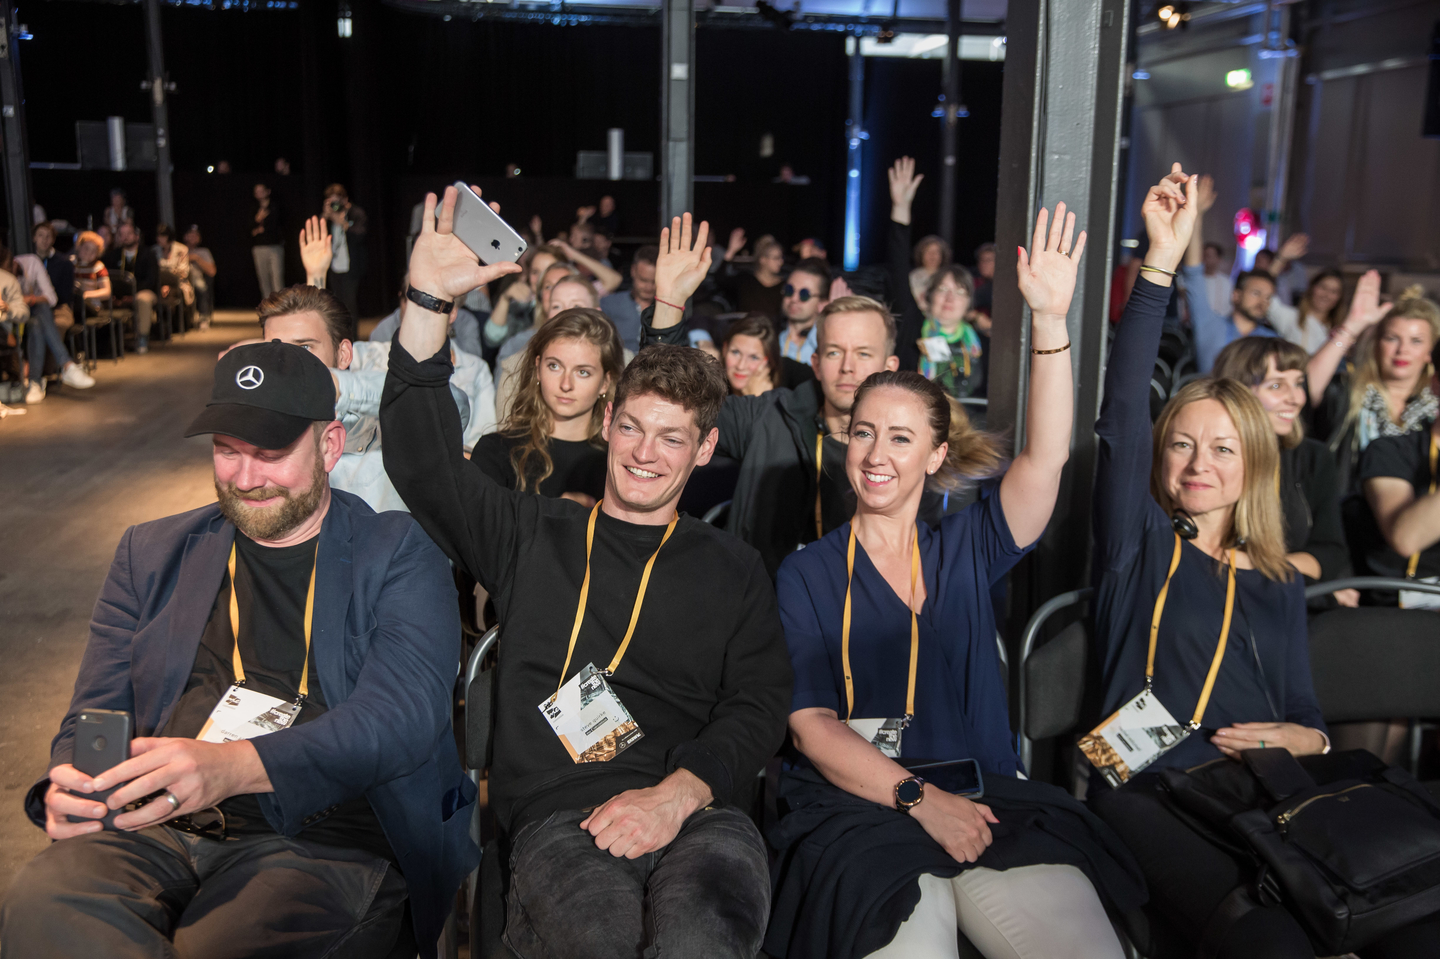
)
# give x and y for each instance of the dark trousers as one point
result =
(1189, 876)
(346, 287)
(706, 894)
(164, 893)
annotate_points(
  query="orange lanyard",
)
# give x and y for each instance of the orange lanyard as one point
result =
(1434, 461)
(1219, 648)
(845, 629)
(235, 663)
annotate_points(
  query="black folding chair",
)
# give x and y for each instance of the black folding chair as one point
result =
(485, 893)
(1377, 662)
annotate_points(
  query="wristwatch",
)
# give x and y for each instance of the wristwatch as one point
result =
(427, 302)
(909, 793)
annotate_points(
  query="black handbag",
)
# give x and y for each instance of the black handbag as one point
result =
(1349, 845)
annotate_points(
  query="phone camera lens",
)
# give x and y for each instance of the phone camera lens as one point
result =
(98, 743)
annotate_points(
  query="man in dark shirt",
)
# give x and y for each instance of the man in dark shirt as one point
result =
(135, 278)
(614, 789)
(288, 657)
(267, 242)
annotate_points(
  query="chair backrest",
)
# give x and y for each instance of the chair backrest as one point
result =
(1376, 662)
(1052, 680)
(480, 703)
(718, 514)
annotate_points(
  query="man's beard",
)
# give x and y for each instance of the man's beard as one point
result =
(271, 522)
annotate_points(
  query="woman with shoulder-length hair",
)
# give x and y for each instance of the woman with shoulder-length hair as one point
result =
(549, 443)
(753, 364)
(1274, 370)
(1197, 608)
(892, 639)
(1381, 387)
(931, 254)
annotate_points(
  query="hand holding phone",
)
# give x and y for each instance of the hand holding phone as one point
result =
(481, 229)
(102, 741)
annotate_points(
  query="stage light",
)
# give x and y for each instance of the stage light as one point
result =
(343, 25)
(1239, 79)
(1166, 12)
(934, 41)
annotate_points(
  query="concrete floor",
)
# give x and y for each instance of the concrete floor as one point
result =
(75, 471)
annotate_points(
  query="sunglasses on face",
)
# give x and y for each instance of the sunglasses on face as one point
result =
(802, 295)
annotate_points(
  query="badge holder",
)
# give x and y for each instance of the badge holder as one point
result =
(883, 734)
(1143, 730)
(243, 713)
(586, 714)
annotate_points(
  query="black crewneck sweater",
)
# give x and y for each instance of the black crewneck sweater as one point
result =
(707, 675)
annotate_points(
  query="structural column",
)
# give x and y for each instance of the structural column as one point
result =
(950, 122)
(159, 93)
(677, 109)
(1064, 94)
(12, 128)
(855, 136)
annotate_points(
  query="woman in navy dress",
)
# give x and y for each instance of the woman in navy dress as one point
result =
(1196, 506)
(874, 862)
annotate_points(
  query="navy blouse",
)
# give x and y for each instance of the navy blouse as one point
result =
(960, 705)
(1265, 675)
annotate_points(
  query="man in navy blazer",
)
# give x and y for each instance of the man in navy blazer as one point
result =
(288, 656)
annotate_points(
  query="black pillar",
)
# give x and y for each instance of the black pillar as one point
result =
(12, 128)
(677, 109)
(164, 192)
(950, 122)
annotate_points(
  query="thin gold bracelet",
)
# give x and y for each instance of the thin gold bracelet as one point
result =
(1059, 349)
(1156, 269)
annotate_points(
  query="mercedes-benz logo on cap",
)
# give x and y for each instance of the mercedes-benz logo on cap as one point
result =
(250, 377)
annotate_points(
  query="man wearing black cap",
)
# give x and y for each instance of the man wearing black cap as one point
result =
(287, 656)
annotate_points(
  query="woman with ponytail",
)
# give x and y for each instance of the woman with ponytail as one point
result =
(549, 443)
(892, 639)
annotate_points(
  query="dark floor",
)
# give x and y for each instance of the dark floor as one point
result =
(75, 471)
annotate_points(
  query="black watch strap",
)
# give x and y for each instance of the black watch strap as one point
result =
(427, 302)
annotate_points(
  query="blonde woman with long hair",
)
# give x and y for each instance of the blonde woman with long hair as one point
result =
(1373, 378)
(549, 443)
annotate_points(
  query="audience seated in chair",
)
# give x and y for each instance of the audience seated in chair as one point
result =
(202, 276)
(292, 783)
(549, 441)
(129, 256)
(40, 299)
(618, 807)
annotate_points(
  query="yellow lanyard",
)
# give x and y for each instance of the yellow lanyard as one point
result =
(585, 595)
(1220, 647)
(235, 663)
(845, 630)
(819, 465)
(1434, 461)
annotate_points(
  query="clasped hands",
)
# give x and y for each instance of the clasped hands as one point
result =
(198, 774)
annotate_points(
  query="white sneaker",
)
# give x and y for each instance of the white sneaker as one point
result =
(76, 378)
(35, 394)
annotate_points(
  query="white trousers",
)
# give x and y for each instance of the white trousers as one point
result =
(1032, 912)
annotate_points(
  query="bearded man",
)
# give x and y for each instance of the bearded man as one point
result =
(288, 656)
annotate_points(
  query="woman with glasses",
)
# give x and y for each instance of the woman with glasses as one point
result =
(937, 335)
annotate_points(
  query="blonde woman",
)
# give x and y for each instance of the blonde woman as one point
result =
(550, 441)
(1373, 378)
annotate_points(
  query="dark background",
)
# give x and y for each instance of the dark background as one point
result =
(410, 102)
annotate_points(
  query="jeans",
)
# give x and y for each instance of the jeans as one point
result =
(44, 335)
(204, 293)
(162, 892)
(269, 267)
(706, 894)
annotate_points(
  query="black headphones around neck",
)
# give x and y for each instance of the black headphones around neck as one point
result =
(1183, 525)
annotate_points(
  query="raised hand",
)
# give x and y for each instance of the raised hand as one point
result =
(440, 264)
(1169, 213)
(1295, 247)
(737, 243)
(904, 181)
(584, 213)
(1207, 193)
(1365, 308)
(315, 250)
(839, 288)
(1047, 272)
(682, 264)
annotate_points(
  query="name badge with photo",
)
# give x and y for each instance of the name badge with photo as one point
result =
(589, 719)
(245, 714)
(883, 734)
(936, 348)
(1139, 733)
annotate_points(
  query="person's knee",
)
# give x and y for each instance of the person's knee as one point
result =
(146, 296)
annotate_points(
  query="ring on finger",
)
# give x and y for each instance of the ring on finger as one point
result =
(173, 800)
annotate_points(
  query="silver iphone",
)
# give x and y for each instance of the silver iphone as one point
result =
(481, 229)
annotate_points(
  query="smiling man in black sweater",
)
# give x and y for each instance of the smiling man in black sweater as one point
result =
(612, 785)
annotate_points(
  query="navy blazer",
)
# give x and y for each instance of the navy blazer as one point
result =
(386, 637)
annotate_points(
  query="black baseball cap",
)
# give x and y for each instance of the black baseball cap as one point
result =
(267, 394)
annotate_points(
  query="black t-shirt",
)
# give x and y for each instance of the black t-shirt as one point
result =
(579, 465)
(1403, 457)
(271, 585)
(272, 230)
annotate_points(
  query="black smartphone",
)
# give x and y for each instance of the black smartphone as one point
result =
(102, 741)
(961, 777)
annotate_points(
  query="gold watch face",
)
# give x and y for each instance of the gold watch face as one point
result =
(909, 792)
